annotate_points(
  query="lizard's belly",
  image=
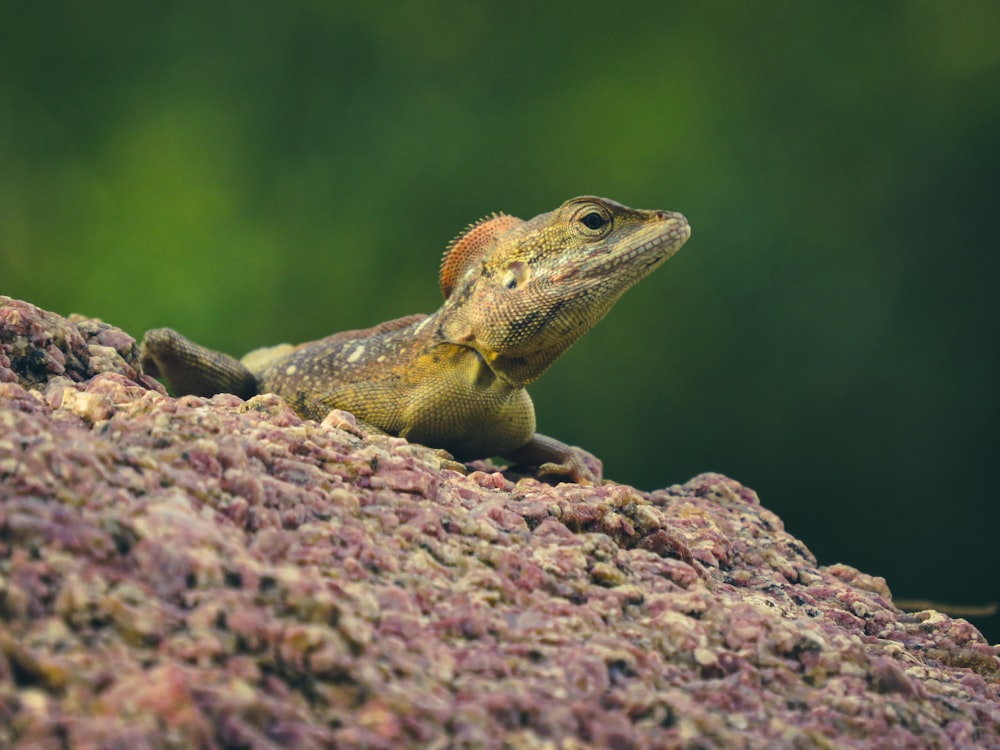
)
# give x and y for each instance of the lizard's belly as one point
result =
(456, 402)
(445, 398)
(467, 425)
(471, 426)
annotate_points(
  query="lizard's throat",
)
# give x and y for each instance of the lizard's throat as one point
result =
(516, 369)
(520, 370)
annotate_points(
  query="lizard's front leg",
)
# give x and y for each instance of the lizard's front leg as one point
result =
(191, 369)
(555, 458)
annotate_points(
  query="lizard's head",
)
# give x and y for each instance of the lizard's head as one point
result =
(521, 292)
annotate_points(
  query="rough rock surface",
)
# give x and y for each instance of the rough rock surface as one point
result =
(214, 574)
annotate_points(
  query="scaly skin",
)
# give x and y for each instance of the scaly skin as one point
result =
(517, 295)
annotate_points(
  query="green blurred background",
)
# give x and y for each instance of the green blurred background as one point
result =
(260, 172)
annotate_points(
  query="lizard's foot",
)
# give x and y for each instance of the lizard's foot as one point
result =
(557, 459)
(580, 467)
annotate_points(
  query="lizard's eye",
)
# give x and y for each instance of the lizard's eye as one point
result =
(593, 220)
(516, 275)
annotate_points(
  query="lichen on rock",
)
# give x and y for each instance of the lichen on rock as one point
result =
(217, 573)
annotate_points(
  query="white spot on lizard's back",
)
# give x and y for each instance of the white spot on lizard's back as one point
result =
(356, 354)
(420, 327)
(291, 370)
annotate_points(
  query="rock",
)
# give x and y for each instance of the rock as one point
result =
(217, 573)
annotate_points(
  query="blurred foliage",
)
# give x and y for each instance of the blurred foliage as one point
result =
(829, 336)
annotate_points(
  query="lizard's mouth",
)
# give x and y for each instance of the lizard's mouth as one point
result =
(653, 262)
(647, 255)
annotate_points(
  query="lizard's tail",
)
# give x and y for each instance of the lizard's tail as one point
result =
(191, 369)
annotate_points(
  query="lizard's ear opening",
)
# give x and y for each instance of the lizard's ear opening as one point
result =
(516, 275)
(471, 247)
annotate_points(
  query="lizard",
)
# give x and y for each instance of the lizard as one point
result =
(517, 294)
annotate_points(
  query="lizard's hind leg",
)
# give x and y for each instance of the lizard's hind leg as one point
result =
(191, 369)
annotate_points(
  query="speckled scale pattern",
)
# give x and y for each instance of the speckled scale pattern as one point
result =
(440, 386)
